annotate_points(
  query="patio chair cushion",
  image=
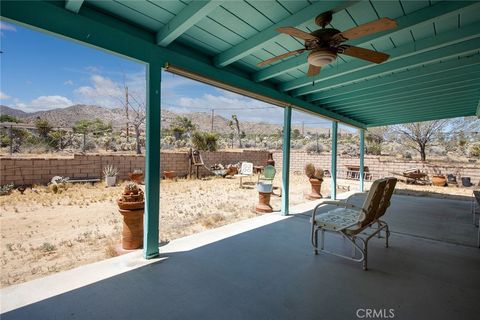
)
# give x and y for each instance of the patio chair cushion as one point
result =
(372, 201)
(338, 219)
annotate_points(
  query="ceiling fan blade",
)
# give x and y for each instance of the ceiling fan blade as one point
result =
(313, 70)
(365, 54)
(296, 33)
(369, 28)
(280, 57)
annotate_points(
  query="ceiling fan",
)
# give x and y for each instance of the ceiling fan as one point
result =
(326, 43)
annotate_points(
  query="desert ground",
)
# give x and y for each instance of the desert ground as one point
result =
(43, 232)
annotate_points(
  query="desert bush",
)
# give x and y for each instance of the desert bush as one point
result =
(374, 148)
(437, 151)
(313, 147)
(474, 150)
(205, 141)
(48, 247)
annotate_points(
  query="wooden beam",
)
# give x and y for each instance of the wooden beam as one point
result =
(424, 74)
(420, 17)
(347, 72)
(268, 35)
(184, 20)
(73, 5)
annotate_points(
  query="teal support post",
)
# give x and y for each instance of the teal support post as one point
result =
(287, 125)
(333, 169)
(362, 159)
(152, 163)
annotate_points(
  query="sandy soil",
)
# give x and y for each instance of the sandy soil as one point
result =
(43, 232)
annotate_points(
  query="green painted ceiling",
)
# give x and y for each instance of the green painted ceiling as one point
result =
(433, 71)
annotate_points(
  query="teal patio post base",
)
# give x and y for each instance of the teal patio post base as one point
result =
(152, 163)
(287, 124)
(333, 168)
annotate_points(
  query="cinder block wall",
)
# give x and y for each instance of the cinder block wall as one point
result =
(22, 171)
(378, 167)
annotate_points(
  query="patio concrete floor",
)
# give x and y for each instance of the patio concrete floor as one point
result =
(264, 268)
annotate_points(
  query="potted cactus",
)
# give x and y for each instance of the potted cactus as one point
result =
(110, 173)
(315, 176)
(131, 205)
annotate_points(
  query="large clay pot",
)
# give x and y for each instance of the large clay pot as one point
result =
(263, 205)
(439, 181)
(316, 185)
(169, 174)
(132, 234)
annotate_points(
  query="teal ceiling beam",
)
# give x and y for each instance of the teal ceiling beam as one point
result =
(409, 93)
(258, 41)
(386, 106)
(469, 47)
(417, 18)
(461, 109)
(89, 28)
(423, 74)
(73, 5)
(428, 89)
(420, 118)
(189, 16)
(399, 55)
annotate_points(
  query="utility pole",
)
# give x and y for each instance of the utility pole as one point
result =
(213, 115)
(303, 128)
(126, 112)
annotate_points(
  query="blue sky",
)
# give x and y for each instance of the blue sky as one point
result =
(41, 72)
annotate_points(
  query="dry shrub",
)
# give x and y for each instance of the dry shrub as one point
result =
(110, 250)
(211, 221)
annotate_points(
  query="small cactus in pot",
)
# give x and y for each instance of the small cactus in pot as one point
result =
(110, 173)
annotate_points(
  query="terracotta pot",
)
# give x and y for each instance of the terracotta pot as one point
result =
(439, 181)
(270, 160)
(232, 171)
(136, 177)
(130, 205)
(110, 181)
(316, 185)
(132, 234)
(169, 174)
(263, 205)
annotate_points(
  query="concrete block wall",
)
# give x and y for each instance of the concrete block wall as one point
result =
(378, 167)
(26, 171)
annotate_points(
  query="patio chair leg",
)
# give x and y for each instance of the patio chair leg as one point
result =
(322, 240)
(380, 232)
(387, 235)
(316, 242)
(353, 247)
(365, 253)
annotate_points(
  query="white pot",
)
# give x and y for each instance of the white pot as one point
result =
(264, 187)
(110, 181)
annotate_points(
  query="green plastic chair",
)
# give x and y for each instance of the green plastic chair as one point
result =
(268, 174)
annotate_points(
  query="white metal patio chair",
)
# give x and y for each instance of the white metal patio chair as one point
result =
(246, 170)
(351, 221)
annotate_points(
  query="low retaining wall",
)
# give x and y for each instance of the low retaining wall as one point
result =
(378, 167)
(27, 171)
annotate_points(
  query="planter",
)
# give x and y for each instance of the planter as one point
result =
(264, 187)
(136, 177)
(130, 205)
(132, 234)
(169, 174)
(316, 185)
(263, 205)
(110, 181)
(466, 182)
(439, 181)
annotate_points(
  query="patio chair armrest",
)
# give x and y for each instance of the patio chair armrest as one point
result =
(339, 203)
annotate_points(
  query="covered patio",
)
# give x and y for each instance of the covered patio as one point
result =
(265, 268)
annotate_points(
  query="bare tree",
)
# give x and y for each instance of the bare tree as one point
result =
(419, 135)
(138, 119)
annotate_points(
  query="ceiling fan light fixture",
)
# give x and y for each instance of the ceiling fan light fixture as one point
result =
(321, 57)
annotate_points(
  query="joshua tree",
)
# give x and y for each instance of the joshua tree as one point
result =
(235, 122)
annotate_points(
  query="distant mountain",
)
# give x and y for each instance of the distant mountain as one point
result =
(67, 117)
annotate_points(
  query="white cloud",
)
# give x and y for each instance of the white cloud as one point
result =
(4, 96)
(68, 83)
(42, 103)
(6, 27)
(105, 92)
